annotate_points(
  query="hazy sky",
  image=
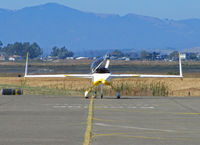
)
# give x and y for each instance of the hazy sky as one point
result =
(172, 9)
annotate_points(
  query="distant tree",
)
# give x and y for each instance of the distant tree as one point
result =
(34, 50)
(61, 53)
(192, 56)
(134, 55)
(1, 44)
(154, 55)
(21, 49)
(149, 56)
(174, 55)
(117, 53)
(131, 55)
(144, 54)
(55, 51)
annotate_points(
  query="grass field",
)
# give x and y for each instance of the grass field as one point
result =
(128, 87)
(189, 85)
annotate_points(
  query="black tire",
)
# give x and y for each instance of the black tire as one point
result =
(95, 94)
(118, 95)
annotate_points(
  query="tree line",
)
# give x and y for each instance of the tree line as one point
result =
(61, 53)
(145, 55)
(35, 51)
(171, 56)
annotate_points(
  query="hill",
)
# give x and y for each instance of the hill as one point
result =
(53, 24)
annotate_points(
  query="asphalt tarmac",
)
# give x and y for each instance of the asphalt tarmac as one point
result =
(61, 120)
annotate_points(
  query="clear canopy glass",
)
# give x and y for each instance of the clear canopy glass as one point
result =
(96, 63)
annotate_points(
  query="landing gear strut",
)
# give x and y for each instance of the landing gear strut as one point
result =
(101, 91)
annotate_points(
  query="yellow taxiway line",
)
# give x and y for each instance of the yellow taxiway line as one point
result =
(89, 123)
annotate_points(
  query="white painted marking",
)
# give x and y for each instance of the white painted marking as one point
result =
(56, 104)
(59, 106)
(151, 107)
(78, 106)
(132, 127)
(75, 104)
(114, 107)
(129, 107)
(132, 107)
(74, 107)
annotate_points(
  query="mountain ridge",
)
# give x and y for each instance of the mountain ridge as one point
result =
(53, 24)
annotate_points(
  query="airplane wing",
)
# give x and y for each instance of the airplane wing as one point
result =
(54, 76)
(144, 76)
(152, 76)
(59, 76)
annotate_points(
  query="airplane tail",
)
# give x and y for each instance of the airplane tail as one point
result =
(26, 67)
(107, 63)
(107, 58)
(180, 64)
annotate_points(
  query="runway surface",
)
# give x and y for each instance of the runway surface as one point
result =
(57, 120)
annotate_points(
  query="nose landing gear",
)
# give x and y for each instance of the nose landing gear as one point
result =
(118, 96)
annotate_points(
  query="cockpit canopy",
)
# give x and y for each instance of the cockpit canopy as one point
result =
(96, 66)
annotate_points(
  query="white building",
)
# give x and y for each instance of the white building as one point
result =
(82, 58)
(11, 59)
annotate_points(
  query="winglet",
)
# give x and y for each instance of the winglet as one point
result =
(180, 66)
(26, 68)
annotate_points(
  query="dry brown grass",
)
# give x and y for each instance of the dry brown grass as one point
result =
(176, 87)
(133, 86)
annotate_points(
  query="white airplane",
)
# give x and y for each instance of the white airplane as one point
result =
(101, 75)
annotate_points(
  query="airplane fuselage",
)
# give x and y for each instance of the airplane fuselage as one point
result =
(101, 78)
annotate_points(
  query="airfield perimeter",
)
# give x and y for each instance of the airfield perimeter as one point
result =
(50, 115)
(188, 86)
(61, 120)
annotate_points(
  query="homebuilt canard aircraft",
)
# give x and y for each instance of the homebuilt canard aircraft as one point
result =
(101, 75)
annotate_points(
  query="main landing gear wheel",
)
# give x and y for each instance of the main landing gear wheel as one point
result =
(86, 94)
(118, 95)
